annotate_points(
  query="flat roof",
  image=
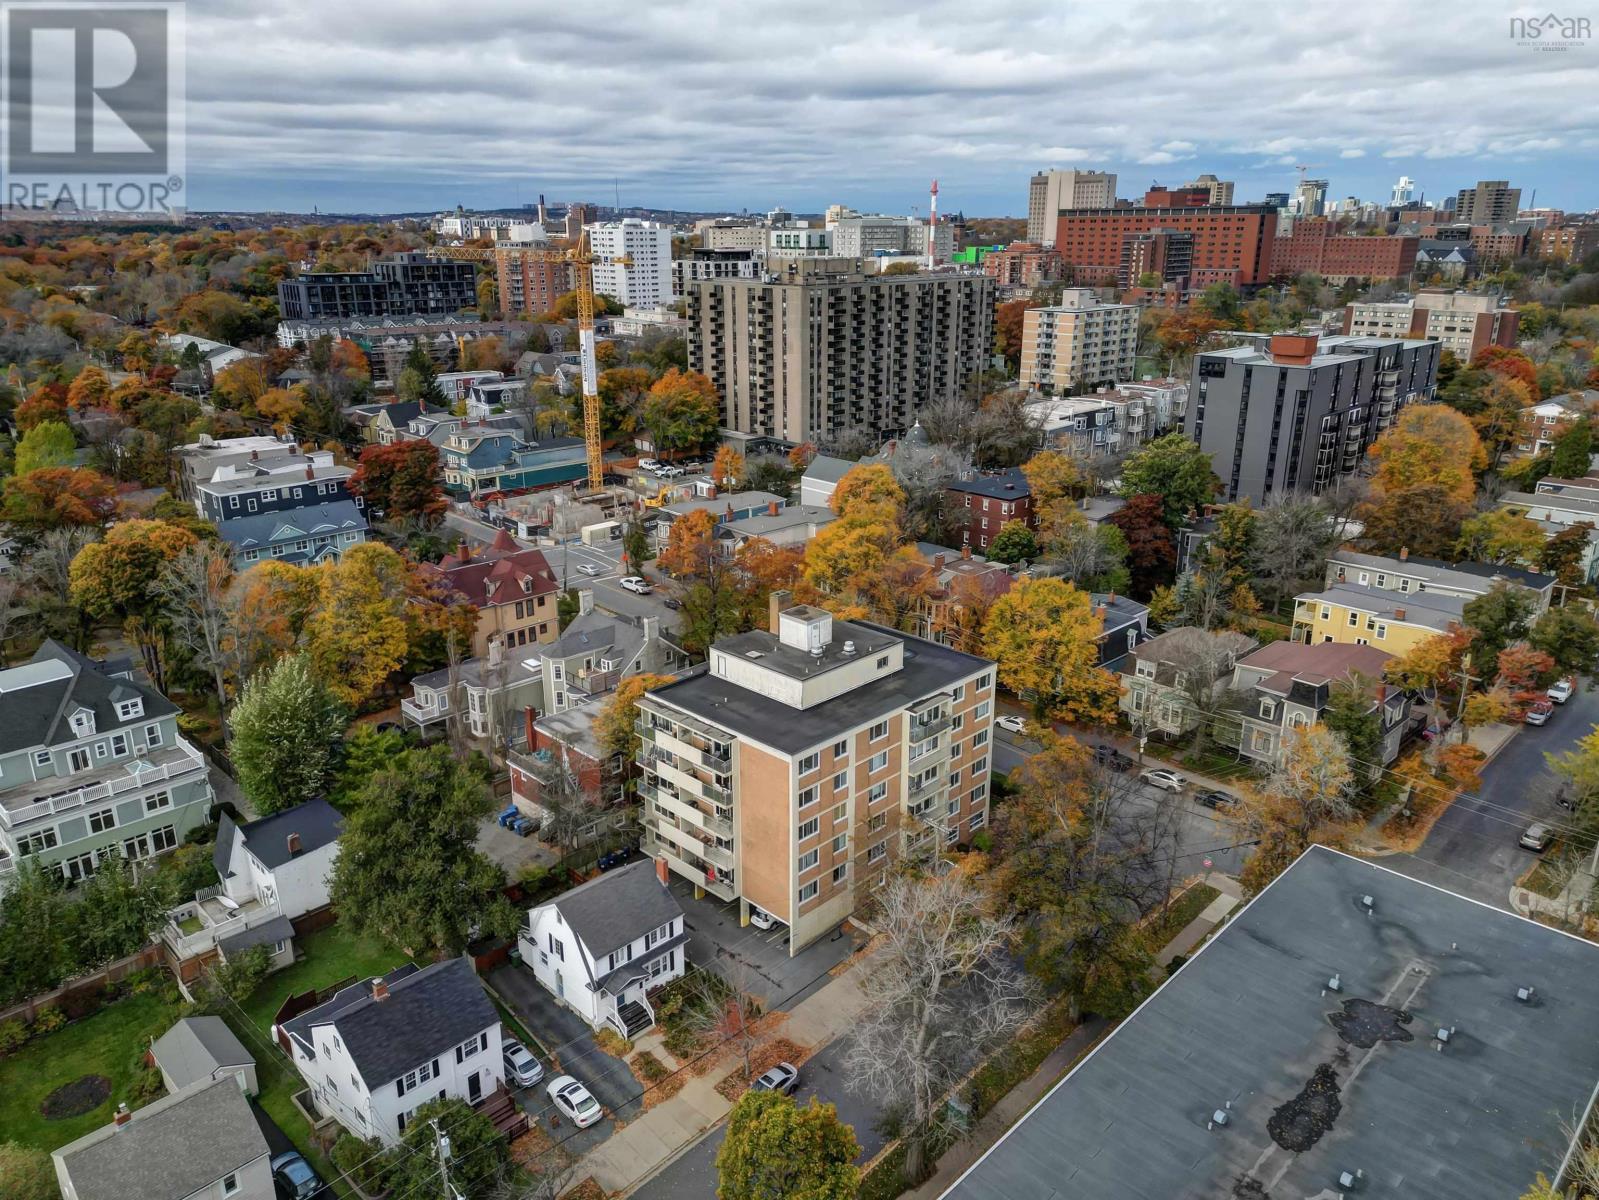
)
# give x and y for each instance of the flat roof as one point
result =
(1316, 1082)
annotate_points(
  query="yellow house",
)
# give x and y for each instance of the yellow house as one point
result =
(1364, 616)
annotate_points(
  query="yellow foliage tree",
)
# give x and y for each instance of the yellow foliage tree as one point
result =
(690, 546)
(727, 468)
(869, 493)
(282, 406)
(1042, 634)
(613, 724)
(358, 636)
(1052, 476)
(1429, 444)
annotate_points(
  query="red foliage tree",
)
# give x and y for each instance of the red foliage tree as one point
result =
(1151, 552)
(401, 481)
(47, 402)
(55, 496)
(1511, 363)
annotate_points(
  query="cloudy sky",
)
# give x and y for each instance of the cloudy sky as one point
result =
(727, 104)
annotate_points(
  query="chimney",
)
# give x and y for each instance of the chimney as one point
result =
(1382, 692)
(255, 455)
(938, 562)
(294, 845)
(123, 1116)
(310, 471)
(966, 550)
(775, 604)
(1111, 599)
(1099, 612)
(1404, 553)
(652, 629)
(464, 551)
(710, 491)
(380, 990)
(585, 601)
(771, 508)
(1399, 614)
(662, 872)
(528, 717)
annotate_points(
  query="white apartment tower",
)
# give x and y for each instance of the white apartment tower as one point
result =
(1050, 191)
(647, 281)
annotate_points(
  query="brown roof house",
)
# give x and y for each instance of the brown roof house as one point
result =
(514, 590)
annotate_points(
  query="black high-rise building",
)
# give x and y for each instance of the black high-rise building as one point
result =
(403, 285)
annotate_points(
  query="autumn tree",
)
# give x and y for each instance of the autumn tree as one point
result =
(48, 444)
(240, 384)
(939, 997)
(1430, 445)
(1498, 415)
(1499, 616)
(1562, 555)
(1151, 551)
(1425, 520)
(623, 391)
(1090, 554)
(1052, 476)
(614, 724)
(682, 411)
(1500, 536)
(359, 634)
(1043, 635)
(1174, 469)
(1009, 318)
(777, 1150)
(47, 402)
(1507, 362)
(89, 388)
(401, 481)
(409, 869)
(727, 468)
(691, 546)
(285, 735)
(1308, 799)
(1013, 543)
(120, 576)
(56, 497)
(869, 493)
(1570, 637)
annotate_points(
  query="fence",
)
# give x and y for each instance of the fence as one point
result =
(84, 994)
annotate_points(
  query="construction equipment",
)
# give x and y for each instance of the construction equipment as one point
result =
(581, 259)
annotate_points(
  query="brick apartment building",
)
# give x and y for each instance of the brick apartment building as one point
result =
(1167, 254)
(806, 761)
(1023, 265)
(1231, 243)
(1568, 241)
(979, 508)
(528, 283)
(1316, 246)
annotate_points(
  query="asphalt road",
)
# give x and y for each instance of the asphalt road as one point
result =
(1472, 849)
(693, 1175)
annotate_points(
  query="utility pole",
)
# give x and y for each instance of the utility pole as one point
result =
(1466, 680)
(441, 1145)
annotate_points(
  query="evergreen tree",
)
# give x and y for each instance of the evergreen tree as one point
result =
(286, 727)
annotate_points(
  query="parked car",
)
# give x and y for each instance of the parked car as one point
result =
(648, 464)
(588, 568)
(783, 1078)
(1537, 837)
(574, 1102)
(1538, 712)
(1109, 756)
(636, 584)
(616, 858)
(1011, 722)
(520, 1066)
(673, 603)
(761, 919)
(294, 1178)
(1215, 799)
(1560, 691)
(1166, 781)
(669, 472)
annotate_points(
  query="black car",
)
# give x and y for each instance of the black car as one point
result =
(672, 603)
(1217, 800)
(616, 858)
(1109, 756)
(294, 1179)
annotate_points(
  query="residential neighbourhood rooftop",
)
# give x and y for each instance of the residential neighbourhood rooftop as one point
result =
(612, 909)
(1315, 1080)
(196, 1047)
(1444, 572)
(1007, 485)
(1318, 662)
(39, 698)
(1438, 610)
(276, 839)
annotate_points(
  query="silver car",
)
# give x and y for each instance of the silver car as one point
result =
(782, 1078)
(521, 1068)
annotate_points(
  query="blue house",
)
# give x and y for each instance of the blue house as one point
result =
(308, 534)
(483, 458)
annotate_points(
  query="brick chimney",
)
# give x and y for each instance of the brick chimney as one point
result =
(966, 550)
(528, 717)
(294, 845)
(710, 492)
(775, 604)
(380, 990)
(463, 550)
(255, 455)
(123, 1116)
(310, 471)
(771, 508)
(1399, 614)
(662, 872)
(1404, 553)
(938, 562)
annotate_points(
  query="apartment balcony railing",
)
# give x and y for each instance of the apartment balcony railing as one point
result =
(422, 713)
(683, 810)
(682, 781)
(667, 740)
(718, 882)
(195, 928)
(128, 777)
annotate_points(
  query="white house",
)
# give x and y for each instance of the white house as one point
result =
(284, 859)
(383, 1047)
(202, 1143)
(601, 946)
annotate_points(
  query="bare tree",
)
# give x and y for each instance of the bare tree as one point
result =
(724, 1009)
(924, 470)
(1293, 537)
(568, 809)
(941, 996)
(1201, 660)
(194, 589)
(49, 576)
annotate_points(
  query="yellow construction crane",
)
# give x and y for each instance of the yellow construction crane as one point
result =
(581, 259)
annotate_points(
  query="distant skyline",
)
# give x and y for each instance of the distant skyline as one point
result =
(410, 107)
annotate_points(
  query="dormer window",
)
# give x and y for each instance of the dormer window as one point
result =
(1267, 708)
(129, 709)
(83, 722)
(527, 583)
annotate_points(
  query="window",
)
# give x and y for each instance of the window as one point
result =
(984, 681)
(157, 801)
(1354, 619)
(1267, 708)
(958, 692)
(99, 749)
(877, 853)
(471, 1046)
(877, 762)
(882, 663)
(557, 947)
(841, 781)
(839, 872)
(43, 839)
(878, 732)
(100, 822)
(1326, 613)
(877, 822)
(956, 722)
(839, 842)
(977, 768)
(809, 796)
(978, 822)
(980, 711)
(980, 738)
(809, 829)
(416, 1078)
(152, 735)
(979, 793)
(119, 744)
(840, 749)
(128, 709)
(164, 838)
(877, 792)
(809, 763)
(809, 859)
(840, 813)
(41, 758)
(808, 892)
(230, 1184)
(1382, 631)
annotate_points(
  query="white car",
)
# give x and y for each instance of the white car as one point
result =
(1166, 781)
(520, 1066)
(761, 919)
(668, 472)
(647, 464)
(1559, 691)
(588, 568)
(1011, 722)
(637, 583)
(574, 1102)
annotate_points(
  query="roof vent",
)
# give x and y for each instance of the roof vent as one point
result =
(752, 654)
(1369, 904)
(1351, 1179)
(1220, 1117)
(1526, 994)
(849, 647)
(1335, 984)
(1441, 1038)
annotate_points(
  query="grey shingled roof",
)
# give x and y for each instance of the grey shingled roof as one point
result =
(827, 469)
(316, 822)
(195, 1047)
(170, 1149)
(613, 909)
(278, 929)
(428, 1012)
(1247, 1021)
(37, 699)
(259, 530)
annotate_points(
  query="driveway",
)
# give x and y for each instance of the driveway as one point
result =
(759, 956)
(510, 851)
(571, 1043)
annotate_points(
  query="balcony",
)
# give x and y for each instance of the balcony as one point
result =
(195, 928)
(682, 781)
(679, 745)
(681, 810)
(424, 713)
(922, 729)
(718, 882)
(48, 798)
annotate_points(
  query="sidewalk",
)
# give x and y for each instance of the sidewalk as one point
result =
(1207, 922)
(637, 1150)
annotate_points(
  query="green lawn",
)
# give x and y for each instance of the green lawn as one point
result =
(1183, 910)
(108, 1043)
(327, 956)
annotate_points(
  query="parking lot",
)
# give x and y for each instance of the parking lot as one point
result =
(564, 1035)
(754, 958)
